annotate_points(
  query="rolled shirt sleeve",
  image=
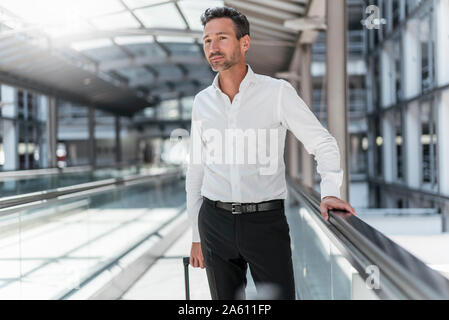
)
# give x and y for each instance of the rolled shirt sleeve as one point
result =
(296, 116)
(194, 174)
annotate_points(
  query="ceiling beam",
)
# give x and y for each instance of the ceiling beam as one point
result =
(149, 61)
(163, 81)
(267, 24)
(260, 10)
(316, 13)
(101, 34)
(275, 34)
(298, 9)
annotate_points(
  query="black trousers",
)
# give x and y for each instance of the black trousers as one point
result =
(230, 243)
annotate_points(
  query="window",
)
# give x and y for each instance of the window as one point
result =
(358, 153)
(378, 154)
(428, 145)
(29, 131)
(396, 13)
(399, 144)
(427, 52)
(397, 65)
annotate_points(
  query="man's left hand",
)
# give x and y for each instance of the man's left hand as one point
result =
(329, 203)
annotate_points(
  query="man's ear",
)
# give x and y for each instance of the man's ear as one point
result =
(245, 43)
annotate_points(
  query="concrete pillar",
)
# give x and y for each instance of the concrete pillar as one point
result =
(411, 60)
(443, 141)
(92, 146)
(402, 14)
(388, 146)
(118, 146)
(369, 84)
(386, 74)
(337, 95)
(412, 88)
(306, 91)
(26, 138)
(292, 152)
(442, 42)
(442, 79)
(412, 145)
(10, 128)
(52, 131)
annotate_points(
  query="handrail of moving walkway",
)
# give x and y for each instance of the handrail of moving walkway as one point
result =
(32, 173)
(12, 204)
(402, 275)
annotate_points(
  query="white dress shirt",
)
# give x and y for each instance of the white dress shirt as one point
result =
(262, 102)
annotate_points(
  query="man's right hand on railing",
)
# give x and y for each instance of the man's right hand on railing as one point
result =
(196, 256)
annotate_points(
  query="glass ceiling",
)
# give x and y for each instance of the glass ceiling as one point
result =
(128, 39)
(140, 46)
(64, 17)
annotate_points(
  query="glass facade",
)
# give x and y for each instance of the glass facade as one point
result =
(403, 99)
(23, 134)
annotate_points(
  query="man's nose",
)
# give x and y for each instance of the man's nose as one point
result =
(214, 46)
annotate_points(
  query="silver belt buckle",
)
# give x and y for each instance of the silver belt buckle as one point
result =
(234, 209)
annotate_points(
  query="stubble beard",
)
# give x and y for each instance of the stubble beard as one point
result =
(226, 63)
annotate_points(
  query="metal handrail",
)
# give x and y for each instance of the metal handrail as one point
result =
(403, 276)
(11, 204)
(407, 189)
(31, 173)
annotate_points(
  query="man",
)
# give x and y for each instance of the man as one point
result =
(237, 209)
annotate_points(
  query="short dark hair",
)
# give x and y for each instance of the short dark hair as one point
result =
(241, 24)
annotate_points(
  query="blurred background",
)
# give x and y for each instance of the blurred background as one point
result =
(95, 114)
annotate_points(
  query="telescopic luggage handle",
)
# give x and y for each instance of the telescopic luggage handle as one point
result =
(186, 262)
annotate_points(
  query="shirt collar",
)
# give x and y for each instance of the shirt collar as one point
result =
(250, 77)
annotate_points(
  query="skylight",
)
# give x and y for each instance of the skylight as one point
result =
(163, 16)
(193, 9)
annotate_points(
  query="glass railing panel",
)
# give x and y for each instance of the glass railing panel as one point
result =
(16, 186)
(342, 275)
(360, 261)
(53, 250)
(10, 262)
(321, 270)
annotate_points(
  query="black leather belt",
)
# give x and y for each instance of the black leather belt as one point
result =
(239, 208)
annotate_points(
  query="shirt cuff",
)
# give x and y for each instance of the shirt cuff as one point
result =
(328, 189)
(195, 232)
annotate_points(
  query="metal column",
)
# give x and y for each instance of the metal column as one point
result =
(52, 131)
(336, 62)
(10, 128)
(118, 146)
(92, 147)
